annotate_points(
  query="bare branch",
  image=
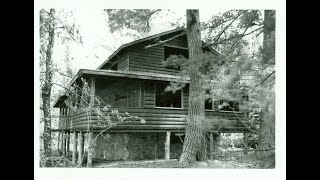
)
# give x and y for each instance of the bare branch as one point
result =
(233, 37)
(219, 35)
(161, 42)
(64, 74)
(261, 82)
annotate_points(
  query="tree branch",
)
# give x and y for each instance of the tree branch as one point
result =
(233, 37)
(219, 35)
(261, 82)
(64, 74)
(161, 42)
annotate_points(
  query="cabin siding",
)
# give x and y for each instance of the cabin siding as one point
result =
(161, 119)
(148, 60)
(178, 42)
(123, 62)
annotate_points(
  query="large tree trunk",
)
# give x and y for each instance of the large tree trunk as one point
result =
(194, 146)
(267, 126)
(46, 89)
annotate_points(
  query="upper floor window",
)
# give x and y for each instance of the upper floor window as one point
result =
(167, 99)
(225, 105)
(222, 105)
(168, 51)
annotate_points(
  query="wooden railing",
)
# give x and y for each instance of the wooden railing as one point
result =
(159, 120)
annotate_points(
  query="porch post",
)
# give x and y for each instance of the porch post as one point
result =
(68, 143)
(63, 143)
(245, 143)
(80, 139)
(92, 92)
(58, 143)
(211, 146)
(74, 150)
(156, 147)
(167, 146)
(90, 150)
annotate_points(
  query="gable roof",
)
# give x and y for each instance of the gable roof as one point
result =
(146, 39)
(138, 41)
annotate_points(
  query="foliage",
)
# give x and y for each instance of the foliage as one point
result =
(134, 19)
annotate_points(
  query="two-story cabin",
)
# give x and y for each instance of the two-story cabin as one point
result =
(133, 80)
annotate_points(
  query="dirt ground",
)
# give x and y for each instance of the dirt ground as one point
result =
(234, 161)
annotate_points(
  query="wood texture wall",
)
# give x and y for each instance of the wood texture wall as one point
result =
(152, 59)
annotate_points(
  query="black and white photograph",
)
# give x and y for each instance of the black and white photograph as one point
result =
(159, 89)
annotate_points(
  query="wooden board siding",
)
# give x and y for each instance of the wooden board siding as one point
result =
(185, 98)
(162, 119)
(178, 42)
(123, 62)
(149, 96)
(148, 60)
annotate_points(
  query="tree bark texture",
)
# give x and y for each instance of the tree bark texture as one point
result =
(267, 126)
(46, 88)
(194, 147)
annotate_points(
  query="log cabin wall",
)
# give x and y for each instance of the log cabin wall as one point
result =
(118, 62)
(152, 59)
(123, 62)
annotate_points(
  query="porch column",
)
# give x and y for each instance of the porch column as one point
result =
(74, 150)
(211, 146)
(167, 146)
(245, 143)
(156, 147)
(58, 143)
(68, 143)
(90, 150)
(63, 143)
(80, 139)
(92, 92)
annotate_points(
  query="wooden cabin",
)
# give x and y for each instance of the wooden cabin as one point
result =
(132, 80)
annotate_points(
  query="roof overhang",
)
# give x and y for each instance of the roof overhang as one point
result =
(129, 74)
(123, 74)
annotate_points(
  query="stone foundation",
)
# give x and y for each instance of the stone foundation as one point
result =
(135, 146)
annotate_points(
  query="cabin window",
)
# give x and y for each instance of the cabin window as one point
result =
(224, 105)
(128, 96)
(208, 104)
(167, 99)
(168, 51)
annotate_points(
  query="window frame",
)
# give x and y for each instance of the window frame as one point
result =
(155, 98)
(173, 47)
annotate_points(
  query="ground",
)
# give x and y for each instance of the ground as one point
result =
(234, 161)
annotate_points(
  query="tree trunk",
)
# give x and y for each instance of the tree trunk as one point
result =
(194, 146)
(46, 89)
(267, 126)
